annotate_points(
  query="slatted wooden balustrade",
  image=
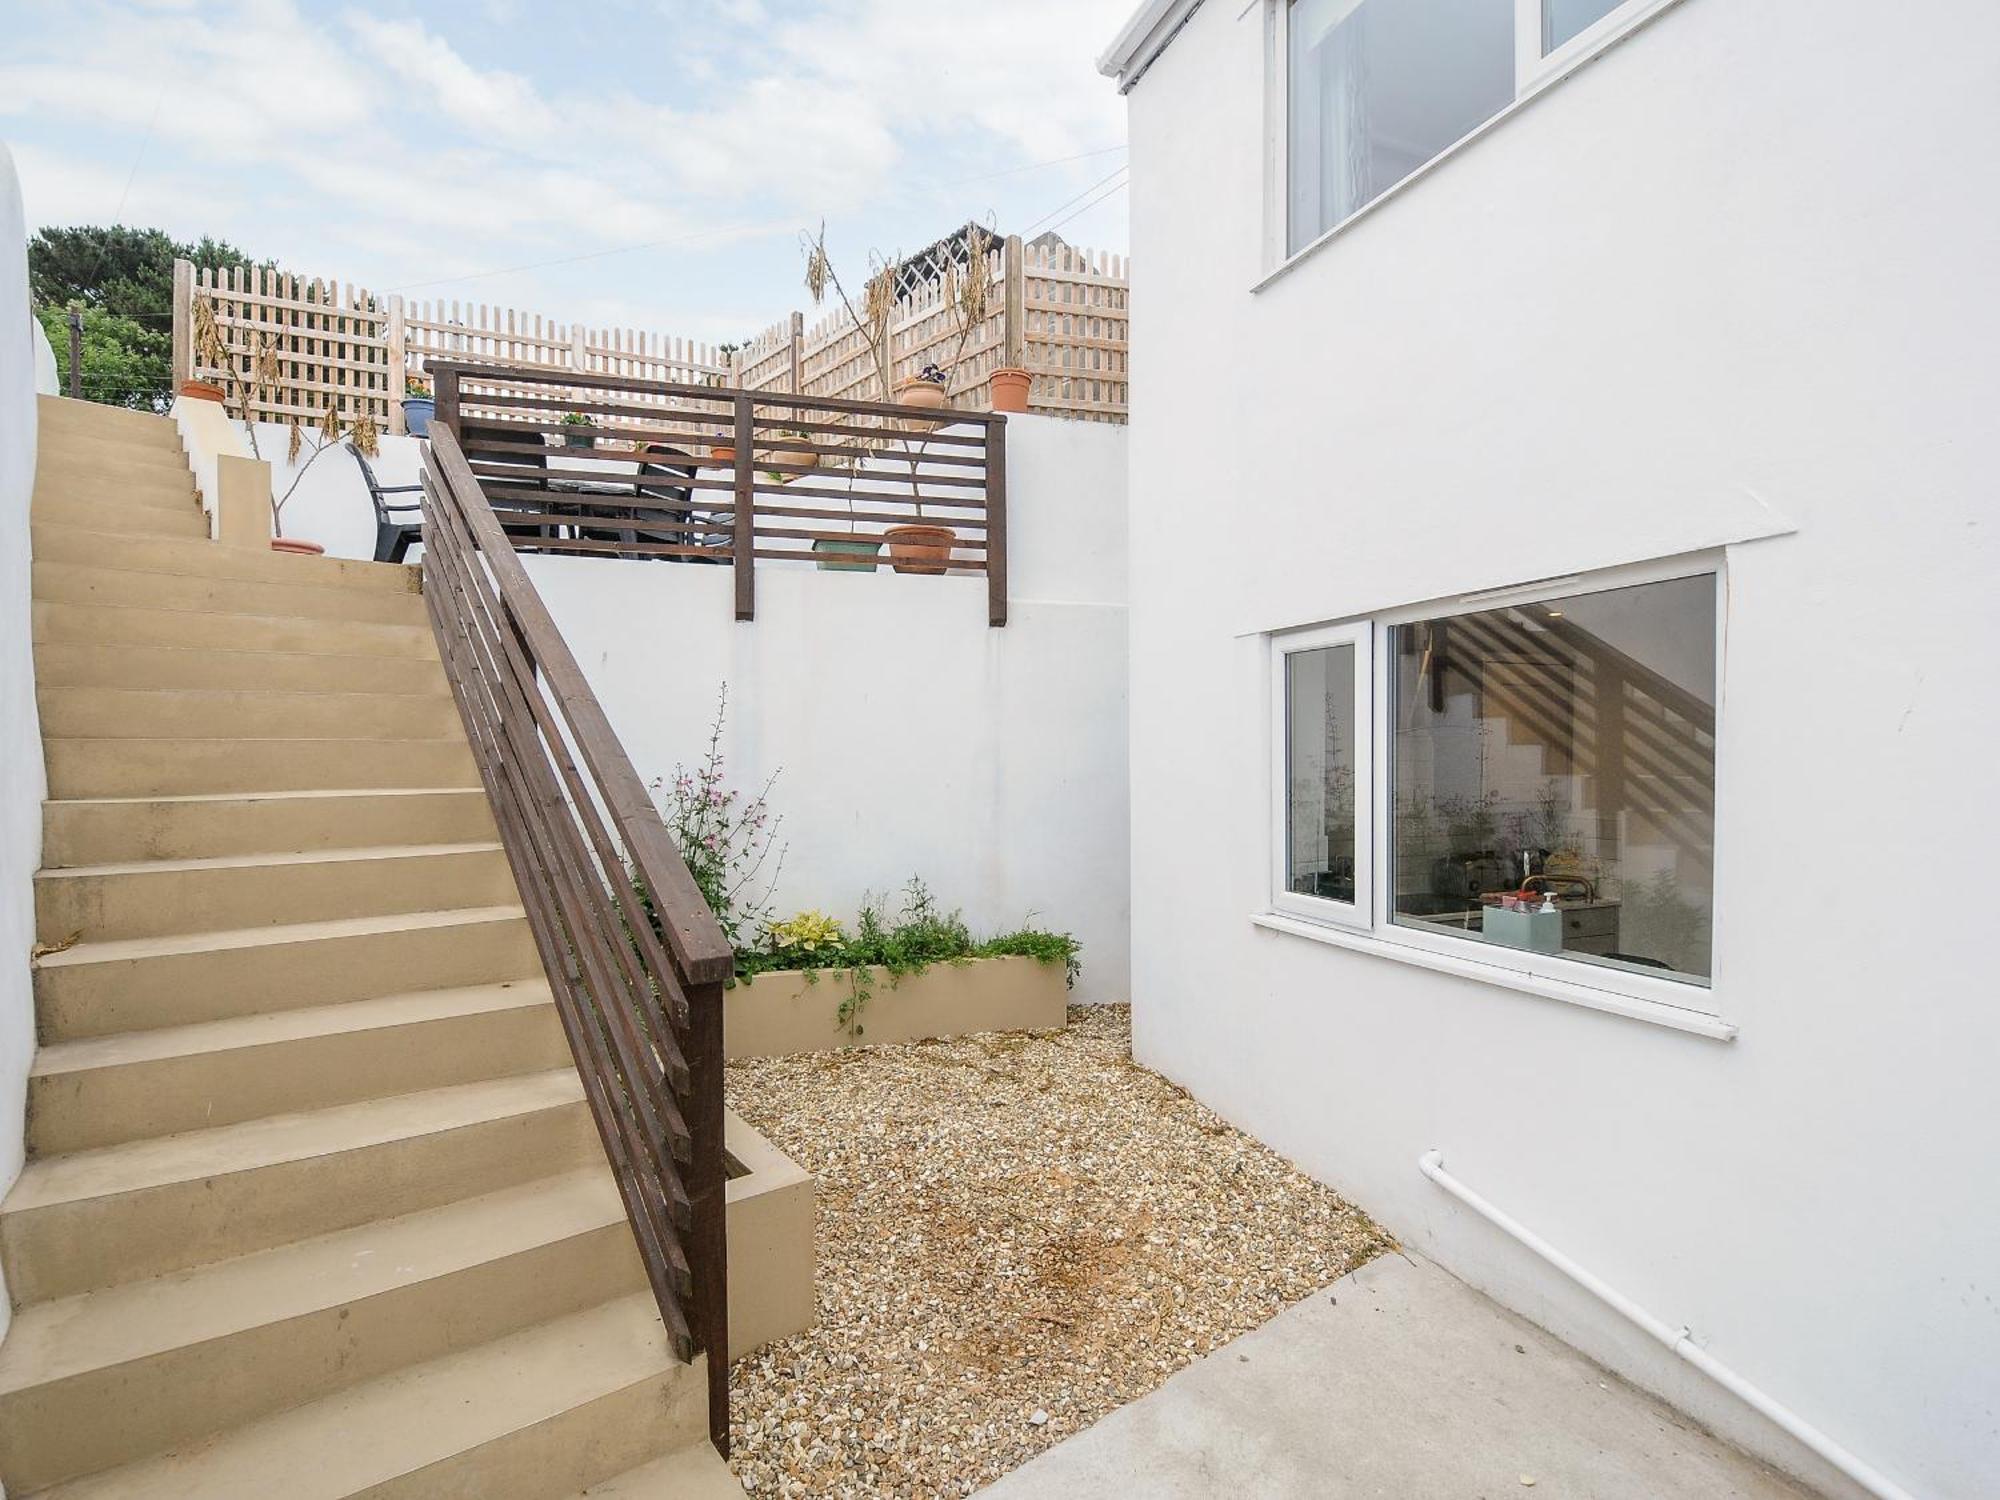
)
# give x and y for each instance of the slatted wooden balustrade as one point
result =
(707, 474)
(642, 1009)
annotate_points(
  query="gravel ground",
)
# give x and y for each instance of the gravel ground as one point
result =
(1018, 1233)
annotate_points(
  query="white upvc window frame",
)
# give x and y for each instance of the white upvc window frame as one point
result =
(1358, 634)
(1622, 990)
(1534, 73)
(1534, 69)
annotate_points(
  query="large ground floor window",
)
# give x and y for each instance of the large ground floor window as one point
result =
(1533, 775)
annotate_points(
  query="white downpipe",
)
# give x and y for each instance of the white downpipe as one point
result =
(1431, 1164)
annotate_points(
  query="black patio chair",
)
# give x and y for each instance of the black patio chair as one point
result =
(530, 472)
(655, 483)
(397, 524)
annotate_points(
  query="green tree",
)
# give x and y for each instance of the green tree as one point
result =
(124, 280)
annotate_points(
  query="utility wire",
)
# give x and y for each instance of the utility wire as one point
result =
(1111, 192)
(1068, 201)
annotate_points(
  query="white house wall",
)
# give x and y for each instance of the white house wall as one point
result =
(22, 783)
(1731, 283)
(913, 738)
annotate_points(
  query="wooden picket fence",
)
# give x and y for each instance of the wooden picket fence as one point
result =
(1060, 312)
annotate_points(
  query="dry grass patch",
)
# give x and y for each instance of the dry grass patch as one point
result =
(1017, 1234)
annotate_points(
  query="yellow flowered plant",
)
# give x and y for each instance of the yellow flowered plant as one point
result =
(807, 932)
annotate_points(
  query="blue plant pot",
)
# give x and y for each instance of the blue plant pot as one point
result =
(417, 414)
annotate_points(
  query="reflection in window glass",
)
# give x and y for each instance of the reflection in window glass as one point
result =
(1554, 776)
(1319, 772)
(1564, 19)
(1379, 87)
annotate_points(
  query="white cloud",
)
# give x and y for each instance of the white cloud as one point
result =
(387, 149)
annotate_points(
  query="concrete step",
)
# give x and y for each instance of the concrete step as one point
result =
(245, 714)
(152, 476)
(175, 767)
(159, 897)
(94, 1219)
(201, 558)
(137, 984)
(117, 1375)
(104, 1091)
(696, 1472)
(195, 629)
(107, 830)
(538, 1414)
(64, 664)
(148, 442)
(62, 419)
(306, 596)
(118, 516)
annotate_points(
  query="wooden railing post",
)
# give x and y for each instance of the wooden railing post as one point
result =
(708, 1190)
(183, 324)
(746, 514)
(444, 391)
(1013, 310)
(798, 353)
(996, 521)
(399, 361)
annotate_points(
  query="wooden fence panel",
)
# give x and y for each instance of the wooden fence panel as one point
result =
(1061, 312)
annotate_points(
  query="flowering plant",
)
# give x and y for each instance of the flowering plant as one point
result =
(725, 840)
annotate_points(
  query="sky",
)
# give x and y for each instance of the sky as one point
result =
(624, 163)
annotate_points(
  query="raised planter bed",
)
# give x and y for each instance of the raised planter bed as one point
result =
(770, 1230)
(791, 1010)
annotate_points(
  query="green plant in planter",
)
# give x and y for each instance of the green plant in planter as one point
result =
(574, 439)
(920, 936)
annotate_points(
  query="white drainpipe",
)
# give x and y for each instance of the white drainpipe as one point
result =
(1431, 1164)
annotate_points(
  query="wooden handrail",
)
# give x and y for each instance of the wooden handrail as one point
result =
(717, 474)
(635, 959)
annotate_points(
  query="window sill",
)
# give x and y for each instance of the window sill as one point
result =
(1653, 1012)
(1581, 51)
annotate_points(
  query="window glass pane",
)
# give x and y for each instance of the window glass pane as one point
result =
(1319, 772)
(1566, 749)
(1564, 19)
(1379, 87)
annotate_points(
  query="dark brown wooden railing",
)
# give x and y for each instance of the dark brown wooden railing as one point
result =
(590, 855)
(605, 465)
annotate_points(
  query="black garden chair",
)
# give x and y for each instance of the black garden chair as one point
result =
(397, 523)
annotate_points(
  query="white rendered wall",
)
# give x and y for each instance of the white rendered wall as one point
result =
(22, 784)
(914, 738)
(1735, 278)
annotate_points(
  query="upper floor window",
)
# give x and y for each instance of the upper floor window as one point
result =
(1379, 87)
(1375, 89)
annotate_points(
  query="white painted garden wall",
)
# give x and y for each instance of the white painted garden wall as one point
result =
(913, 738)
(22, 783)
(1736, 274)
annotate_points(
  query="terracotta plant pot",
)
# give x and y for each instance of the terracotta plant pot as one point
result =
(803, 458)
(855, 555)
(201, 390)
(919, 549)
(294, 544)
(914, 392)
(722, 453)
(1010, 388)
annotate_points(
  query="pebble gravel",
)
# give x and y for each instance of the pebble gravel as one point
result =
(1017, 1233)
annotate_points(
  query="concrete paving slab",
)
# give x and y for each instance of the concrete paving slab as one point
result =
(1399, 1382)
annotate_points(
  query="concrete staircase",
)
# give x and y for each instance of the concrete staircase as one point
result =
(313, 1205)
